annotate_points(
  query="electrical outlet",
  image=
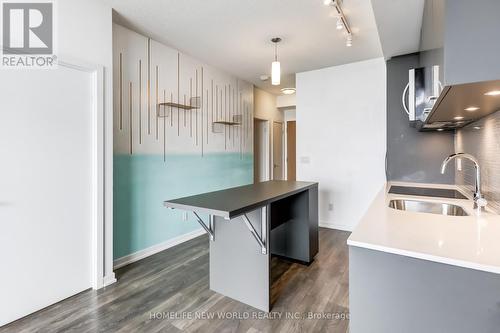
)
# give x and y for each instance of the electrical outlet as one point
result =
(184, 216)
(305, 160)
(330, 206)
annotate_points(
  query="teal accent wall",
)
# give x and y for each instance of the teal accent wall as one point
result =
(143, 182)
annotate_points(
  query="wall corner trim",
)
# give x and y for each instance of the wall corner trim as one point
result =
(136, 256)
(108, 280)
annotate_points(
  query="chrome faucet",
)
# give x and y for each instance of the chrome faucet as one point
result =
(479, 201)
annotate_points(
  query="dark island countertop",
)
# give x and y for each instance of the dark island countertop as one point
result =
(235, 201)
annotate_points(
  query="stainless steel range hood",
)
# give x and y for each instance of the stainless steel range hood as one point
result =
(449, 110)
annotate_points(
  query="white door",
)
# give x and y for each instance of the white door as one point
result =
(45, 188)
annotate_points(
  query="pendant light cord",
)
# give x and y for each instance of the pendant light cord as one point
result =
(275, 51)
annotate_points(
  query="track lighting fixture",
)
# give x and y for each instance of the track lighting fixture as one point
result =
(341, 19)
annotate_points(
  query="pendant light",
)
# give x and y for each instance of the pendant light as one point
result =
(275, 67)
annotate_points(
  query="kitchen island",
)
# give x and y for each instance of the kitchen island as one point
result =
(420, 272)
(247, 225)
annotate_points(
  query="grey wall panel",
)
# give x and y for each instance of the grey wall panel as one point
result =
(411, 155)
(391, 293)
(472, 48)
(434, 57)
(238, 269)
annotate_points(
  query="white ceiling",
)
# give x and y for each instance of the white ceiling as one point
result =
(409, 26)
(399, 24)
(234, 35)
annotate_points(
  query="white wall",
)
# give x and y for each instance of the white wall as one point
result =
(85, 33)
(286, 101)
(341, 137)
(265, 108)
(290, 114)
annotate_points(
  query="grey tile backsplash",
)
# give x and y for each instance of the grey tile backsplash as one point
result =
(481, 139)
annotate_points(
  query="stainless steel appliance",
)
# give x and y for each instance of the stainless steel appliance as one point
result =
(420, 94)
(430, 106)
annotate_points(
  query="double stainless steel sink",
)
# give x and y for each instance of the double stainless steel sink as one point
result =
(427, 207)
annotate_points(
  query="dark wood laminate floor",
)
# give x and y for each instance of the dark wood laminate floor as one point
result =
(153, 295)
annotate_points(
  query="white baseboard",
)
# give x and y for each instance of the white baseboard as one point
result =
(336, 226)
(128, 259)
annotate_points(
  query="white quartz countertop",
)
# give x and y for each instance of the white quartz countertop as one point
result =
(466, 241)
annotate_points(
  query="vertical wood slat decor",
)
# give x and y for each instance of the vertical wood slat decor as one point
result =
(148, 89)
(164, 130)
(184, 111)
(171, 111)
(211, 104)
(190, 111)
(202, 99)
(157, 100)
(241, 128)
(196, 113)
(120, 95)
(178, 90)
(130, 115)
(229, 110)
(226, 113)
(140, 101)
(232, 119)
(164, 76)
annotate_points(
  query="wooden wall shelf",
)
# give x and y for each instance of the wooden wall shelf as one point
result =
(219, 126)
(194, 104)
(226, 122)
(180, 106)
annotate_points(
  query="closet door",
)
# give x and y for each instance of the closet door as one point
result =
(45, 188)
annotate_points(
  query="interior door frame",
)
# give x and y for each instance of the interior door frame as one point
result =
(266, 147)
(282, 149)
(100, 135)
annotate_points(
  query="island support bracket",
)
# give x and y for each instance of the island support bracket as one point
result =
(210, 228)
(260, 239)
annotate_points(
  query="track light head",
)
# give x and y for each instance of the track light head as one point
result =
(348, 42)
(340, 25)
